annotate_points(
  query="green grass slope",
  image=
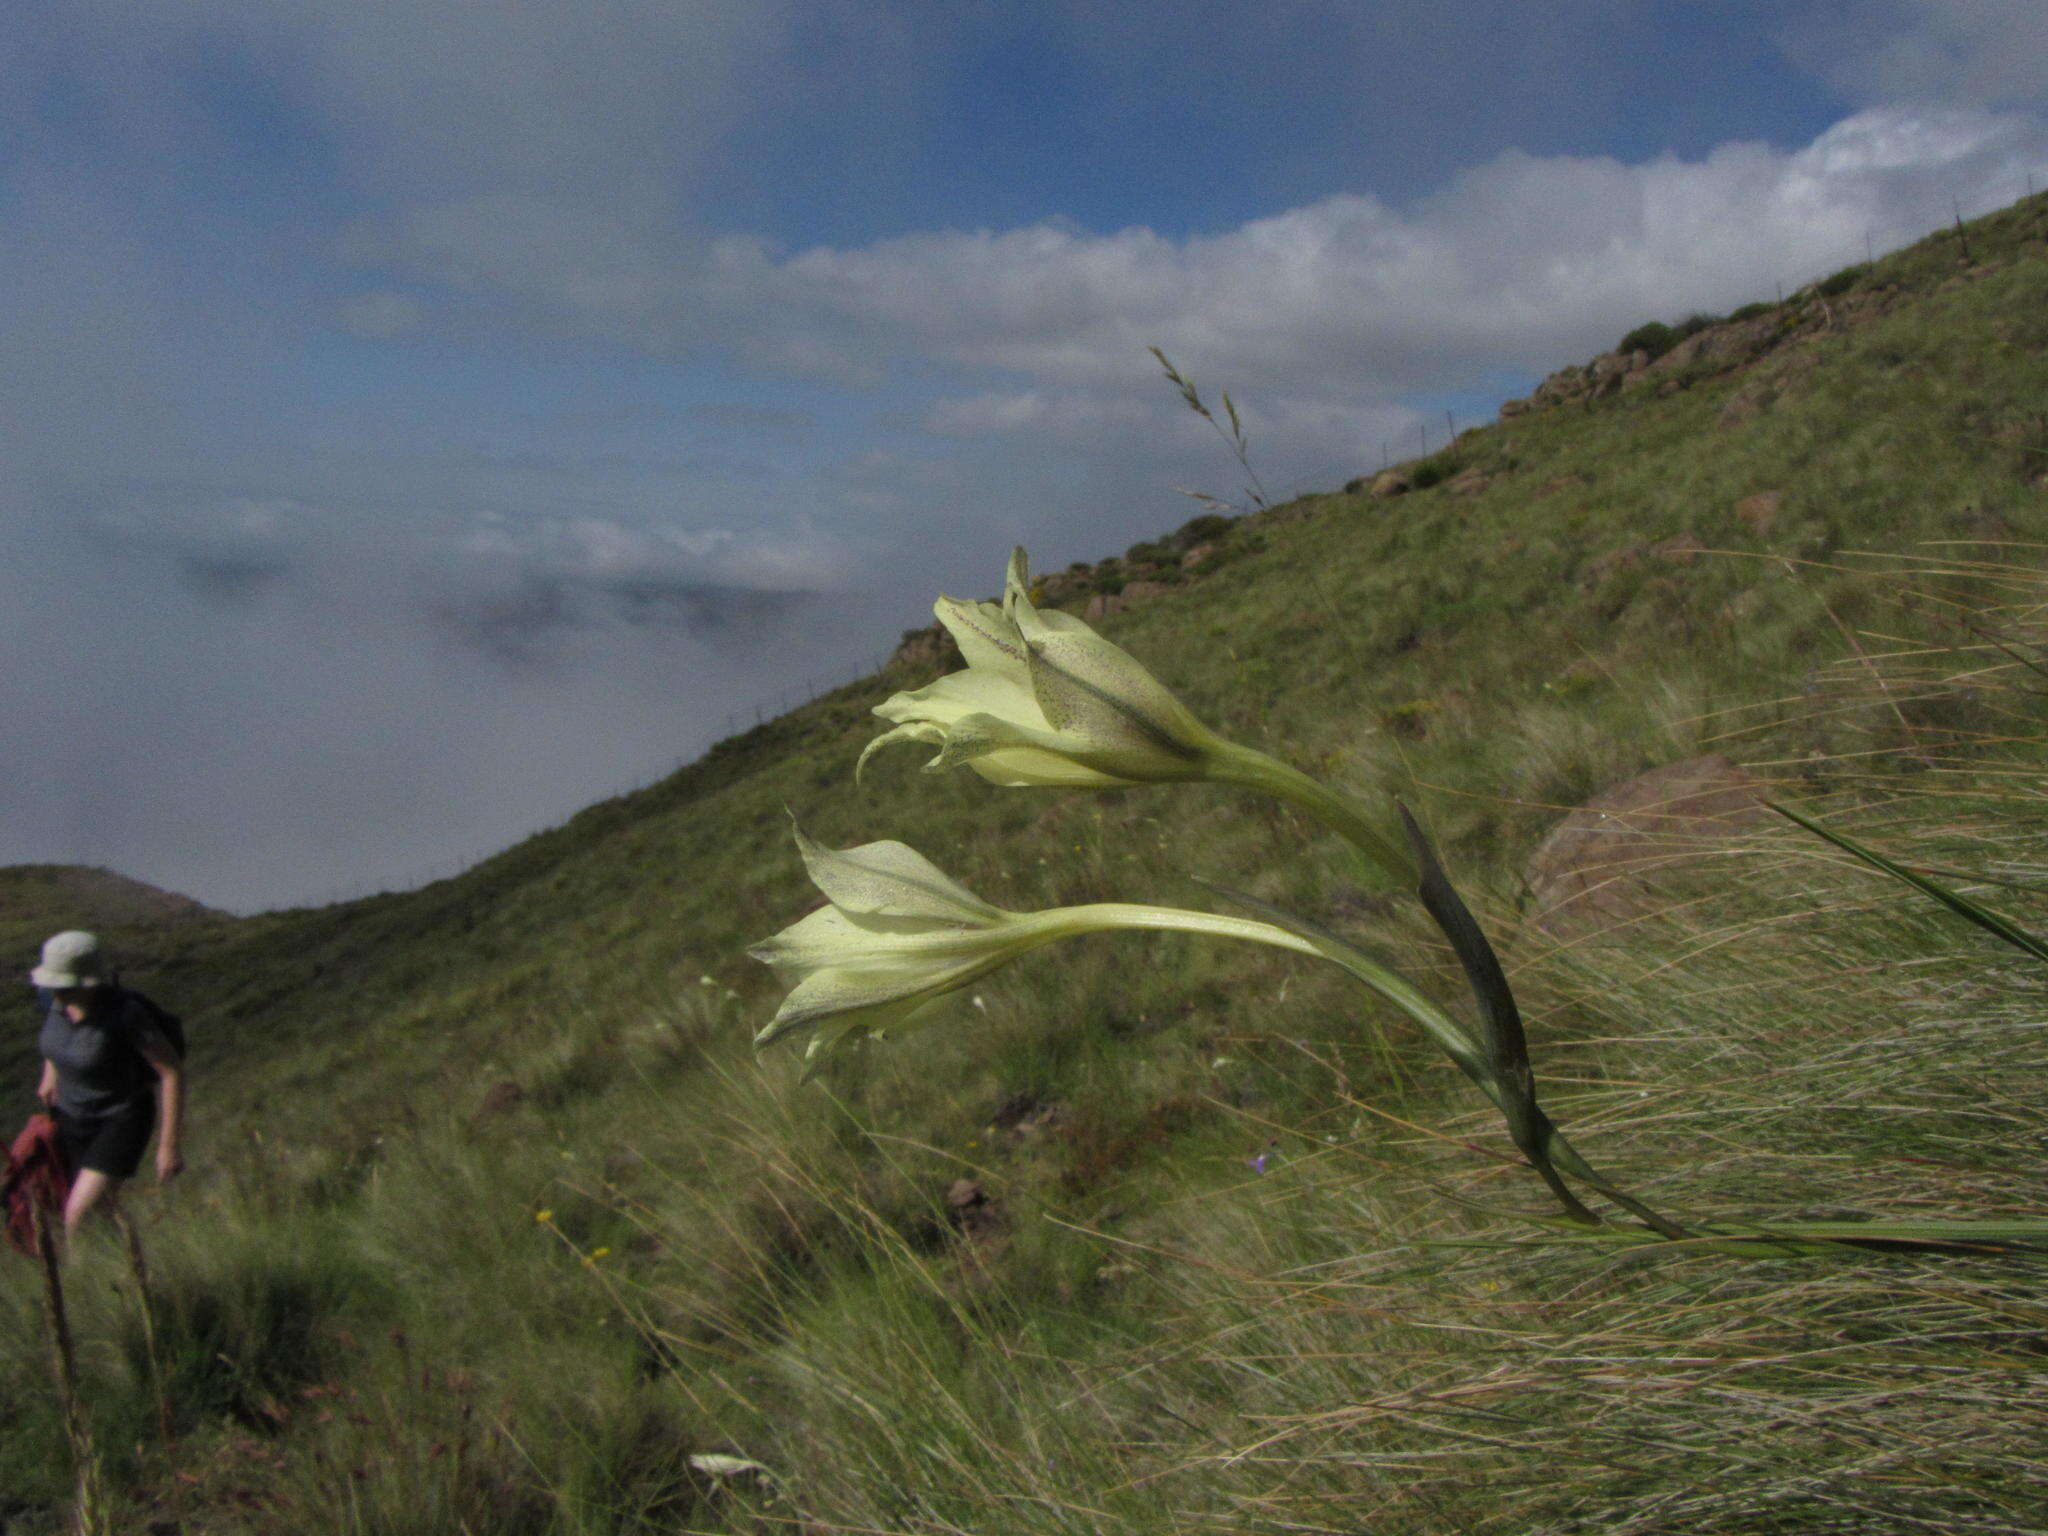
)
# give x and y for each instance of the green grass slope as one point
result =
(495, 1221)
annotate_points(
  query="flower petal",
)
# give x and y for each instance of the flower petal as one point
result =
(876, 998)
(1091, 686)
(986, 637)
(811, 943)
(1027, 768)
(1010, 754)
(891, 879)
(965, 693)
(915, 730)
(833, 1005)
(874, 948)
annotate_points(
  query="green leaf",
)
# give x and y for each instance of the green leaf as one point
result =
(1507, 1045)
(1955, 901)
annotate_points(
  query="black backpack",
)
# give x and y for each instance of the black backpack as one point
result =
(172, 1026)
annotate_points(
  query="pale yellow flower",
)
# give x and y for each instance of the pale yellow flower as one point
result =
(1045, 701)
(898, 936)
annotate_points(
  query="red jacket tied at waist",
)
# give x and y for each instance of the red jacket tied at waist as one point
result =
(35, 1175)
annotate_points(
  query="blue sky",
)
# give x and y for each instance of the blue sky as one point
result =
(422, 419)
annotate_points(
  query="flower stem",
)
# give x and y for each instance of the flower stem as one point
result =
(1498, 1059)
(1101, 916)
(1250, 769)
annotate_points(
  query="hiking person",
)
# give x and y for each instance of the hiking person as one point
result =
(105, 1051)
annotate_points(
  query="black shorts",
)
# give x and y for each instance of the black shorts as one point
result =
(112, 1143)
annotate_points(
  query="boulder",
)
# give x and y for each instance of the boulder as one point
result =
(1564, 385)
(1469, 482)
(1025, 1117)
(1720, 346)
(1061, 586)
(1610, 370)
(1103, 604)
(970, 1210)
(927, 650)
(1602, 866)
(1390, 482)
(1510, 409)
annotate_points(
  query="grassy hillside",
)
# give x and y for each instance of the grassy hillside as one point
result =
(495, 1220)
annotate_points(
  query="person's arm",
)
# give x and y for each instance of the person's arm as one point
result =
(46, 1090)
(170, 1071)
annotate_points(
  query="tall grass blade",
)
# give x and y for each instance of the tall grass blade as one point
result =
(1779, 1239)
(1955, 901)
(145, 1305)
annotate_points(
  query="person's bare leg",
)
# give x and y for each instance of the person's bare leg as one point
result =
(89, 1189)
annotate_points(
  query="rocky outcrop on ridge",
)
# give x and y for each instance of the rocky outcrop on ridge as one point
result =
(1097, 589)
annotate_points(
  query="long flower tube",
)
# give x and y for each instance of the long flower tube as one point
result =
(898, 937)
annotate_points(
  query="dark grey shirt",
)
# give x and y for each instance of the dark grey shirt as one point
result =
(100, 1065)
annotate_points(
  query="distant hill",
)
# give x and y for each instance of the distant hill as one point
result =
(81, 896)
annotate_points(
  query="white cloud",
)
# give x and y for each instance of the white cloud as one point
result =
(1518, 264)
(1325, 321)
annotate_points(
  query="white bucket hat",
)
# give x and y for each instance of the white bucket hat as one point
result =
(71, 959)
